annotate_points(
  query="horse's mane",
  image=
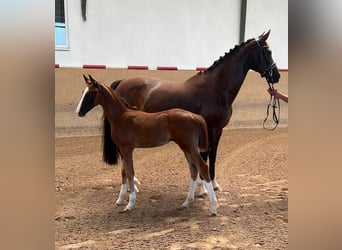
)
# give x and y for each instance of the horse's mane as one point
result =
(226, 55)
(123, 100)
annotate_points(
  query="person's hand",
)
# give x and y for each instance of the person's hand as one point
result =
(273, 92)
(278, 95)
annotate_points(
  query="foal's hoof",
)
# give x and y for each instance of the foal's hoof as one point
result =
(125, 211)
(187, 203)
(202, 195)
(119, 202)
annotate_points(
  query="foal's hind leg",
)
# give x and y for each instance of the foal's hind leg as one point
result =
(204, 171)
(193, 174)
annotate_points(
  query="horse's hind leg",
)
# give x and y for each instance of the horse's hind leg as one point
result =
(193, 174)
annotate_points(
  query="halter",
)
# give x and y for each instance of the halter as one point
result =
(269, 76)
(268, 72)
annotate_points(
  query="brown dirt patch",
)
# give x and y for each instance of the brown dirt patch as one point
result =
(252, 213)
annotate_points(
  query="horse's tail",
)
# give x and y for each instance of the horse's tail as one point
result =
(203, 142)
(110, 150)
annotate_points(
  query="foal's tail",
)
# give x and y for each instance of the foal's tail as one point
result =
(110, 150)
(203, 142)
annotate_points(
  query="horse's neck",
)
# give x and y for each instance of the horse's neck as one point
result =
(112, 105)
(231, 73)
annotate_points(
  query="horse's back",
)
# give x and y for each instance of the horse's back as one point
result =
(152, 94)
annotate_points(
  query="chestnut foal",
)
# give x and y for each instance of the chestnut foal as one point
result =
(137, 129)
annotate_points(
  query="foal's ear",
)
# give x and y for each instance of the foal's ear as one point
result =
(263, 36)
(93, 81)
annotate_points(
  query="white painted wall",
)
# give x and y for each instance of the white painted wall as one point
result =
(263, 15)
(186, 34)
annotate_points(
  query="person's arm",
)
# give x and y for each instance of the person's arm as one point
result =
(278, 95)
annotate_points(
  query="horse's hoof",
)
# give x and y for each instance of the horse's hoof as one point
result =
(203, 194)
(216, 186)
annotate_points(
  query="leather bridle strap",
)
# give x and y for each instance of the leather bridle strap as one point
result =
(273, 102)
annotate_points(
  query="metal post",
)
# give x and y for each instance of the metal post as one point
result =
(243, 20)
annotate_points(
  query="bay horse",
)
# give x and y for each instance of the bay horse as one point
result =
(137, 129)
(209, 93)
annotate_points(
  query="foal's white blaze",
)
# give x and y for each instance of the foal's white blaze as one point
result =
(80, 103)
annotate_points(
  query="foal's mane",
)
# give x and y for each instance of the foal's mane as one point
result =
(232, 52)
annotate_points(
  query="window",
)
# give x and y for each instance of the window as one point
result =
(61, 34)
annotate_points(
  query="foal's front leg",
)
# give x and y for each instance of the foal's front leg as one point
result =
(193, 175)
(127, 157)
(123, 189)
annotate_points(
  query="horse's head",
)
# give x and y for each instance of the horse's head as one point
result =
(264, 63)
(89, 96)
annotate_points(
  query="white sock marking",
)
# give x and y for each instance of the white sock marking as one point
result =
(132, 199)
(122, 194)
(191, 194)
(212, 198)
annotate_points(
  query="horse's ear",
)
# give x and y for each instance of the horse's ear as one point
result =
(86, 79)
(264, 36)
(91, 78)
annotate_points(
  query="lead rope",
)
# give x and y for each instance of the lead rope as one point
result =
(273, 101)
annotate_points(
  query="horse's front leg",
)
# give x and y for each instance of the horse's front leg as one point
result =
(214, 139)
(203, 189)
(127, 157)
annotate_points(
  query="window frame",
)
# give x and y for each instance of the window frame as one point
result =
(66, 24)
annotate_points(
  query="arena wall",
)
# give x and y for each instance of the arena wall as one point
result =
(183, 34)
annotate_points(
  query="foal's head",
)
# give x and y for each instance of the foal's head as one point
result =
(89, 97)
(264, 63)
